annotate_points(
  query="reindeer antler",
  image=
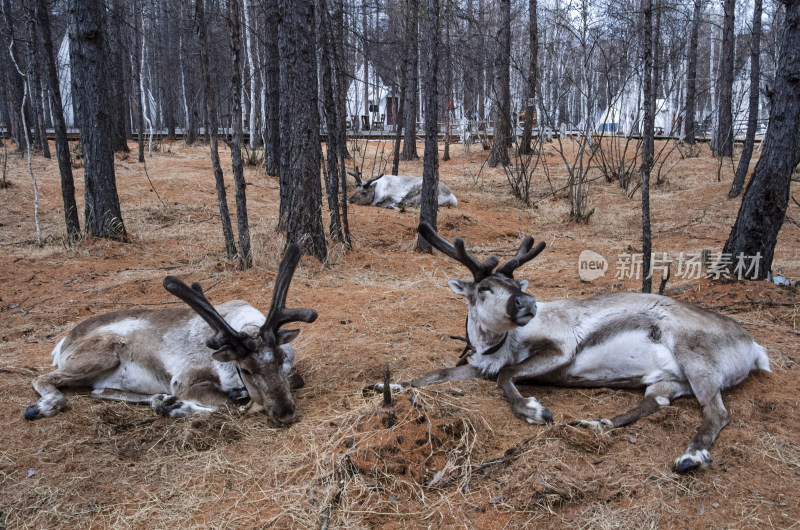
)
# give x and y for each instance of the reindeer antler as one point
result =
(356, 175)
(481, 270)
(373, 179)
(278, 313)
(523, 256)
(225, 335)
(458, 252)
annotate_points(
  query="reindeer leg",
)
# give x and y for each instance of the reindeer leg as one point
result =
(113, 394)
(656, 397)
(193, 392)
(443, 375)
(541, 362)
(77, 371)
(715, 417)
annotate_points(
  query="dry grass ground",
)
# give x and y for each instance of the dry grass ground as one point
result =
(458, 458)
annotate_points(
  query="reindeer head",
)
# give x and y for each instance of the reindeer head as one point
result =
(262, 363)
(497, 301)
(364, 194)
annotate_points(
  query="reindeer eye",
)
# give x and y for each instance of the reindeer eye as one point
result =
(245, 371)
(484, 289)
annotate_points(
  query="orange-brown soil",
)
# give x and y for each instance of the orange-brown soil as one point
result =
(455, 458)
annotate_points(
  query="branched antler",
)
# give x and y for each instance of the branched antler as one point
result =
(356, 175)
(523, 256)
(459, 253)
(225, 336)
(479, 270)
(368, 183)
(278, 313)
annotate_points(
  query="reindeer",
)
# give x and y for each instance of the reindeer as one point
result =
(162, 357)
(392, 191)
(620, 340)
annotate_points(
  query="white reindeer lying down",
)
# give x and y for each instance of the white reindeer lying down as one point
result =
(393, 191)
(621, 340)
(180, 365)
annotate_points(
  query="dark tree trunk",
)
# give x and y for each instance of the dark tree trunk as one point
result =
(212, 129)
(272, 142)
(90, 93)
(752, 119)
(245, 254)
(530, 106)
(14, 82)
(331, 111)
(342, 82)
(689, 132)
(430, 177)
(448, 87)
(412, 89)
(501, 108)
(648, 100)
(34, 83)
(62, 146)
(755, 233)
(116, 61)
(723, 144)
(137, 80)
(400, 119)
(337, 49)
(299, 128)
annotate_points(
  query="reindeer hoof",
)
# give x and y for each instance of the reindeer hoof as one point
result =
(530, 410)
(296, 381)
(164, 404)
(691, 461)
(601, 426)
(32, 413)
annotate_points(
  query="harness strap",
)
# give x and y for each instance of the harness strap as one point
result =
(462, 359)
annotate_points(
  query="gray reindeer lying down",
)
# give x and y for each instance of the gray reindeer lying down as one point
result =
(621, 340)
(393, 191)
(179, 364)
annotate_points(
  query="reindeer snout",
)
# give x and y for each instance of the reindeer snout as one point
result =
(522, 309)
(287, 416)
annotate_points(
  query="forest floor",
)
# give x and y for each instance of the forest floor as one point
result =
(456, 457)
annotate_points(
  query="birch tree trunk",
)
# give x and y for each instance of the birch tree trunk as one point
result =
(254, 104)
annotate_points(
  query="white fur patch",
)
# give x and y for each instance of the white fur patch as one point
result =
(531, 410)
(695, 460)
(131, 377)
(601, 426)
(56, 353)
(628, 356)
(124, 327)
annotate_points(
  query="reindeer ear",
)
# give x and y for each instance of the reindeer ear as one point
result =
(523, 285)
(224, 355)
(286, 336)
(461, 287)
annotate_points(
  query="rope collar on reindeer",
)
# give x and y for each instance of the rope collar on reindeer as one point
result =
(470, 348)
